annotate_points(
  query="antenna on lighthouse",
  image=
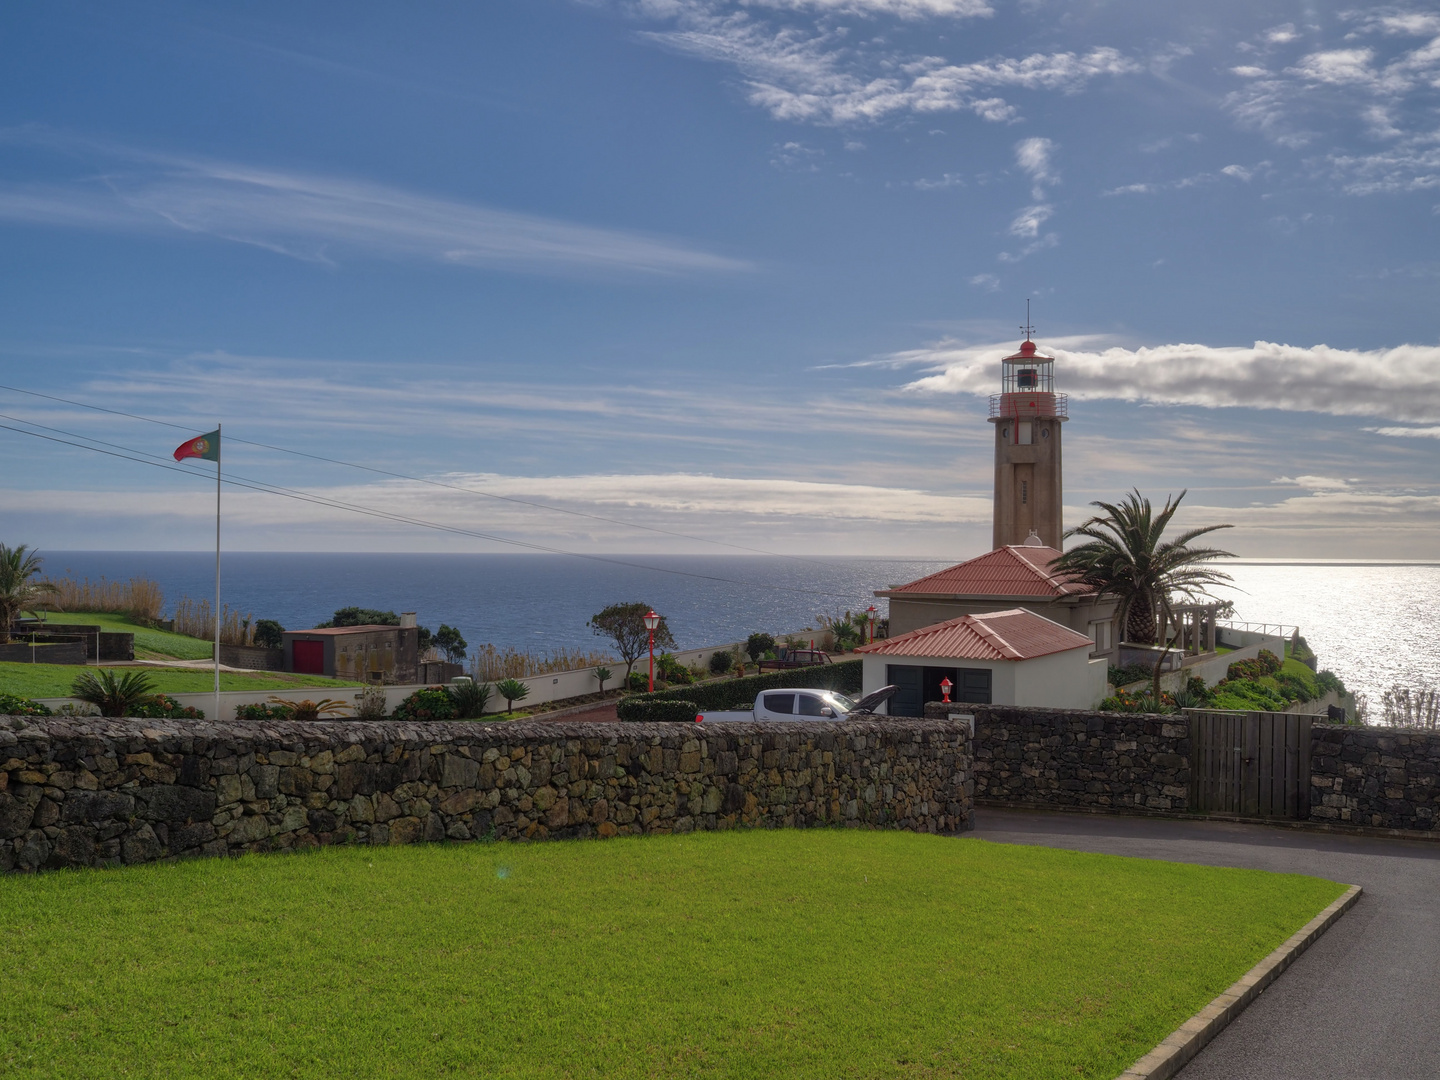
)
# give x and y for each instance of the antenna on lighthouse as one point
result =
(1027, 327)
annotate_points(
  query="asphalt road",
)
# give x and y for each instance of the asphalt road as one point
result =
(1362, 1003)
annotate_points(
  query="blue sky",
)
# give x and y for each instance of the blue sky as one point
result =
(736, 271)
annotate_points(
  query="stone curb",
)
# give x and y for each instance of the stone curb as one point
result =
(1179, 1047)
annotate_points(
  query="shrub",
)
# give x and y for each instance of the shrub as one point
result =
(757, 645)
(370, 703)
(512, 690)
(307, 710)
(470, 699)
(269, 634)
(1130, 673)
(431, 703)
(164, 707)
(1267, 663)
(1327, 681)
(671, 670)
(10, 705)
(720, 662)
(740, 693)
(646, 710)
(1137, 703)
(638, 682)
(259, 713)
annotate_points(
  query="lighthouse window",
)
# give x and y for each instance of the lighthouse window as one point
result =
(1027, 379)
(1044, 433)
(1025, 430)
(1024, 491)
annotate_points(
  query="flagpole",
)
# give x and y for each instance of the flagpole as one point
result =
(217, 573)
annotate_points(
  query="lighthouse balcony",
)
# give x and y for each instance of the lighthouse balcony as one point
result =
(1022, 406)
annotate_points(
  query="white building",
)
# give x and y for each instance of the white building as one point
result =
(1012, 657)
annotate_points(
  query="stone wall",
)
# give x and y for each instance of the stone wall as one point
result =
(1056, 757)
(1378, 777)
(92, 792)
(252, 657)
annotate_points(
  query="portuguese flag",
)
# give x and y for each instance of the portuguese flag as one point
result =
(202, 446)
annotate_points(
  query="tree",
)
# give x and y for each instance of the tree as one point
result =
(603, 674)
(19, 592)
(1125, 557)
(449, 641)
(624, 624)
(757, 645)
(512, 690)
(361, 616)
(269, 634)
(115, 697)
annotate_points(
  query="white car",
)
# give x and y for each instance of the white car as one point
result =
(800, 704)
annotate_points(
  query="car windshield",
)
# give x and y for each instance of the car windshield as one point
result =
(841, 703)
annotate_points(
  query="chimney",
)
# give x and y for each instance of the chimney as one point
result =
(407, 619)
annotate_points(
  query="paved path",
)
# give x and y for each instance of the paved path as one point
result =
(1362, 1003)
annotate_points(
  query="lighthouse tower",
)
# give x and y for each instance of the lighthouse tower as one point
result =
(1027, 415)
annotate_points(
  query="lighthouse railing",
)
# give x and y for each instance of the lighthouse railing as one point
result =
(1026, 404)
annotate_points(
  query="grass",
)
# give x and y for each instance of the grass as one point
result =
(150, 644)
(821, 953)
(54, 680)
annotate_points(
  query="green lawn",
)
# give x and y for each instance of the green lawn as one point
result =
(822, 953)
(54, 680)
(149, 644)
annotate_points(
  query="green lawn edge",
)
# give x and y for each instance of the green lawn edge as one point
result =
(55, 680)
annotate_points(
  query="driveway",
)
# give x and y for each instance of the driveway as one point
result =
(1362, 1003)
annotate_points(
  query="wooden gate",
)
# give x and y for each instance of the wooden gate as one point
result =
(1252, 764)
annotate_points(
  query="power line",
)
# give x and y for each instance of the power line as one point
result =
(143, 458)
(424, 480)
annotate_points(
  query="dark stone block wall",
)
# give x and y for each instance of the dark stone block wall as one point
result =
(90, 792)
(1057, 757)
(1379, 777)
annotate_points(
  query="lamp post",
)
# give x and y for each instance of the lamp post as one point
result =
(651, 622)
(945, 685)
(871, 611)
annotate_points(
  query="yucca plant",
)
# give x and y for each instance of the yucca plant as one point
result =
(112, 696)
(512, 690)
(603, 674)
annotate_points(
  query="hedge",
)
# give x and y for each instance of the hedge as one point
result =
(740, 693)
(645, 709)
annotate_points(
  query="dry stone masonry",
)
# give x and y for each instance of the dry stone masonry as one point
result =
(1057, 757)
(1375, 777)
(78, 792)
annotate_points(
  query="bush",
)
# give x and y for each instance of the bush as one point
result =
(1267, 663)
(671, 670)
(260, 712)
(720, 662)
(431, 703)
(112, 696)
(269, 634)
(740, 693)
(638, 682)
(757, 645)
(164, 707)
(647, 710)
(10, 705)
(1327, 681)
(1130, 673)
(1137, 703)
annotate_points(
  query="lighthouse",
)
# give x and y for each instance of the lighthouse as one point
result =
(1028, 414)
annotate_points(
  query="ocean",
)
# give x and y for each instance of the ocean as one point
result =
(1373, 625)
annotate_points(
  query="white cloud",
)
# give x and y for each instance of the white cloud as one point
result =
(325, 219)
(816, 74)
(1237, 171)
(988, 282)
(1407, 432)
(904, 9)
(1401, 383)
(1027, 222)
(1314, 483)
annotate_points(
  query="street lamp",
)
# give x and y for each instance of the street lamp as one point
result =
(871, 611)
(651, 622)
(945, 685)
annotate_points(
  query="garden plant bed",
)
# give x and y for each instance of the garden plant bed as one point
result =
(55, 680)
(744, 954)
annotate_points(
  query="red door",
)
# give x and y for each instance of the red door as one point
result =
(309, 657)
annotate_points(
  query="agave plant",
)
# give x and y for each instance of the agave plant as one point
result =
(309, 710)
(112, 696)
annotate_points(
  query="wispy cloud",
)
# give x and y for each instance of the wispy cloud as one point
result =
(326, 219)
(1401, 383)
(814, 72)
(1034, 157)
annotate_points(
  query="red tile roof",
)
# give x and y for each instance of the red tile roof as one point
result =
(1017, 570)
(1016, 634)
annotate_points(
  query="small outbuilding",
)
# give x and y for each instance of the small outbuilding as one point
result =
(370, 653)
(1012, 657)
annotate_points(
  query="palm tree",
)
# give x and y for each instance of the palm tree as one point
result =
(512, 690)
(1125, 557)
(18, 591)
